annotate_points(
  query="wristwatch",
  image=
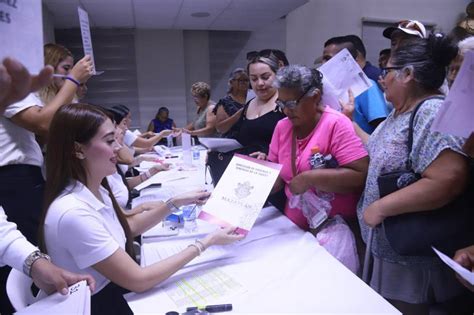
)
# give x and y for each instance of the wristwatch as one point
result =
(30, 260)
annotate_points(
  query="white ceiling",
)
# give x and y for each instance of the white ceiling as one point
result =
(245, 15)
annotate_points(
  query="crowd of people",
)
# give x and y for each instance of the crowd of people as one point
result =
(78, 206)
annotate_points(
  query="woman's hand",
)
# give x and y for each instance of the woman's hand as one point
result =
(165, 133)
(299, 184)
(373, 214)
(191, 132)
(82, 70)
(198, 197)
(159, 168)
(348, 108)
(465, 257)
(259, 155)
(222, 236)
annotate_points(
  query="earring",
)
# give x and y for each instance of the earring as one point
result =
(80, 156)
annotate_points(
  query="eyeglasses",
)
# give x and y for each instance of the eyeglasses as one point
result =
(262, 53)
(292, 103)
(386, 70)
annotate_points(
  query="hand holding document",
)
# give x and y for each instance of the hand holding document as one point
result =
(86, 37)
(460, 270)
(78, 301)
(241, 193)
(455, 117)
(340, 74)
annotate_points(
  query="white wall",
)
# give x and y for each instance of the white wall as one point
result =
(309, 26)
(161, 76)
(196, 65)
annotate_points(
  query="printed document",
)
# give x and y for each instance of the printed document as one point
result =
(455, 117)
(340, 74)
(460, 270)
(241, 193)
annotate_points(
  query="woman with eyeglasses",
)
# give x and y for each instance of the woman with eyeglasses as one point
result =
(229, 109)
(412, 78)
(311, 126)
(83, 228)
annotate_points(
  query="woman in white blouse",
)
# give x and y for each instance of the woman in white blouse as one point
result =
(85, 230)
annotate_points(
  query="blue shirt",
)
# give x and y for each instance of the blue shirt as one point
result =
(370, 106)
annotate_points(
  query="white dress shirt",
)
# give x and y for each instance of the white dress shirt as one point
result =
(14, 247)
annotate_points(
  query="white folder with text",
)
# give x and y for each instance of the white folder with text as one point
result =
(241, 193)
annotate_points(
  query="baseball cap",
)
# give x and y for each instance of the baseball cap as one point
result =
(411, 27)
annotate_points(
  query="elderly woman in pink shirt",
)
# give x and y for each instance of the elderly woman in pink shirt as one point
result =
(310, 124)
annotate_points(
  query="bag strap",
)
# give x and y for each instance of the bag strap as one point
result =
(410, 128)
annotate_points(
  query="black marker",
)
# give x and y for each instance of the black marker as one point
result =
(212, 308)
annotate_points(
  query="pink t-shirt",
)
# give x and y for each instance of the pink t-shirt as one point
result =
(335, 135)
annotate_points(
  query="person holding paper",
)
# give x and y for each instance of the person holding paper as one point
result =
(370, 106)
(21, 158)
(413, 76)
(84, 230)
(15, 250)
(228, 110)
(310, 124)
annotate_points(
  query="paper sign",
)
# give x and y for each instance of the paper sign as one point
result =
(76, 302)
(456, 115)
(86, 37)
(460, 270)
(241, 193)
(21, 29)
(340, 74)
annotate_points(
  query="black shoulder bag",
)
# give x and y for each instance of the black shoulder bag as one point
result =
(448, 228)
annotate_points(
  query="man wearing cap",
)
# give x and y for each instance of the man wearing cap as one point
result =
(406, 30)
(370, 108)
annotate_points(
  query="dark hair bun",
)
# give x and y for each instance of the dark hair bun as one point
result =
(442, 49)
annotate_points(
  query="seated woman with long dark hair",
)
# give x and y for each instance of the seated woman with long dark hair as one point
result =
(84, 230)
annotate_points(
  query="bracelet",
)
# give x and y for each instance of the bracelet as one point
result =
(73, 80)
(203, 248)
(197, 247)
(31, 259)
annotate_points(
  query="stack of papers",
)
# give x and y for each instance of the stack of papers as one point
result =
(77, 302)
(220, 144)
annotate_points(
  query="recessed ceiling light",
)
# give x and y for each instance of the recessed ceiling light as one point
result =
(200, 14)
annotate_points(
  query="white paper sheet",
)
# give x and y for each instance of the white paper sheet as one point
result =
(456, 115)
(241, 193)
(460, 270)
(220, 144)
(21, 29)
(86, 37)
(340, 74)
(77, 302)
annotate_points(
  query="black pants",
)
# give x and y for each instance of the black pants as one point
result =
(21, 196)
(110, 300)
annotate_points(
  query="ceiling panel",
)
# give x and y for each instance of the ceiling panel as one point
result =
(173, 14)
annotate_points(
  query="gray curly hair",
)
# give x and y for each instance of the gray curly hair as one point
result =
(299, 77)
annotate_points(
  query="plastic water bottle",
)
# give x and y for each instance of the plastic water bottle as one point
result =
(196, 154)
(169, 141)
(189, 216)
